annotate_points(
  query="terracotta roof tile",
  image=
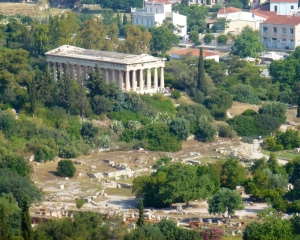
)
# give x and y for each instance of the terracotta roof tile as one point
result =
(229, 10)
(283, 20)
(193, 52)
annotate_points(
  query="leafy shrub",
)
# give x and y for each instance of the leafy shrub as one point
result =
(79, 203)
(180, 127)
(117, 126)
(125, 116)
(44, 154)
(212, 233)
(283, 141)
(88, 130)
(206, 131)
(226, 131)
(68, 152)
(159, 138)
(175, 94)
(274, 109)
(66, 168)
(159, 103)
(249, 112)
(245, 93)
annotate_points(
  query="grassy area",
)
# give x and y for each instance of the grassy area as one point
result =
(127, 192)
(286, 154)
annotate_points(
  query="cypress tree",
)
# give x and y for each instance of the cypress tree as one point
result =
(201, 72)
(141, 220)
(298, 109)
(26, 221)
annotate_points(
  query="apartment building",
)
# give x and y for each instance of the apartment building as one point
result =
(155, 12)
(280, 32)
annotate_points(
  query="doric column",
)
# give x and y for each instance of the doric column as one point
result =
(55, 71)
(73, 71)
(78, 72)
(113, 75)
(155, 79)
(141, 79)
(121, 79)
(49, 66)
(134, 80)
(107, 76)
(162, 78)
(61, 70)
(84, 72)
(148, 78)
(127, 83)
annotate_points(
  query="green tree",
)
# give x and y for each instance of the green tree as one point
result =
(275, 109)
(201, 72)
(208, 38)
(180, 127)
(194, 37)
(79, 203)
(206, 131)
(141, 220)
(225, 200)
(10, 222)
(162, 39)
(19, 186)
(298, 109)
(146, 231)
(247, 44)
(222, 39)
(233, 174)
(136, 42)
(27, 232)
(66, 168)
(19, 165)
(93, 34)
(175, 94)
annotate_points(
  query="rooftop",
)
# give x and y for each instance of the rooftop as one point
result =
(103, 56)
(159, 1)
(194, 52)
(284, 1)
(283, 20)
(229, 10)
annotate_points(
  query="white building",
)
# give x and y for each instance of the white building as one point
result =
(177, 54)
(130, 72)
(206, 2)
(239, 19)
(155, 12)
(284, 7)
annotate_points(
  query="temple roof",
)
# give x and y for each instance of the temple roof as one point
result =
(102, 56)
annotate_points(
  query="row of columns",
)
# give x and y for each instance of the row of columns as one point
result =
(127, 80)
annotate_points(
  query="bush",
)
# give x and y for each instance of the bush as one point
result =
(175, 94)
(66, 168)
(226, 131)
(44, 154)
(274, 109)
(68, 152)
(79, 203)
(245, 94)
(212, 233)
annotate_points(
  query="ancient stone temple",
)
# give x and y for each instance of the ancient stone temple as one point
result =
(130, 72)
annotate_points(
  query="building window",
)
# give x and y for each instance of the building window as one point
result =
(265, 39)
(291, 31)
(274, 29)
(265, 29)
(283, 40)
(275, 8)
(283, 30)
(292, 7)
(274, 39)
(156, 10)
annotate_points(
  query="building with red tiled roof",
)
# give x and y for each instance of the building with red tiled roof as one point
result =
(239, 19)
(229, 10)
(177, 54)
(281, 32)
